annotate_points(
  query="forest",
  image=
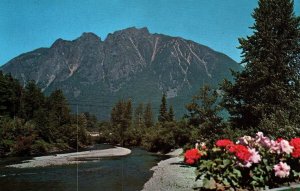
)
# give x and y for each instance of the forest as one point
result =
(34, 124)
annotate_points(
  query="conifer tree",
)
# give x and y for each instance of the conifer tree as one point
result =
(204, 109)
(121, 115)
(128, 113)
(270, 79)
(33, 100)
(148, 116)
(163, 113)
(171, 113)
(10, 95)
(138, 115)
(59, 111)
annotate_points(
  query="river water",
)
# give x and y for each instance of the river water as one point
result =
(126, 173)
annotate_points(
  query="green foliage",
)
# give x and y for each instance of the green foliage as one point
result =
(279, 125)
(159, 138)
(40, 147)
(138, 116)
(270, 79)
(203, 115)
(10, 96)
(133, 136)
(59, 111)
(121, 115)
(31, 123)
(219, 174)
(148, 116)
(141, 131)
(171, 114)
(163, 113)
(32, 100)
(91, 122)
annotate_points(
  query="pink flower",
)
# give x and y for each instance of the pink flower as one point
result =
(255, 157)
(282, 170)
(245, 140)
(274, 147)
(285, 147)
(262, 140)
(281, 146)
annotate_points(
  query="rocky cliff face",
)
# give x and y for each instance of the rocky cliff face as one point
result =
(130, 63)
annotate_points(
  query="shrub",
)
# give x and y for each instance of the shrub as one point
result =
(40, 147)
(249, 163)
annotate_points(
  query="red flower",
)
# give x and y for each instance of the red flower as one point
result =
(296, 144)
(224, 143)
(191, 156)
(240, 151)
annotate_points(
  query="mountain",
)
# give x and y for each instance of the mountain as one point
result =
(130, 63)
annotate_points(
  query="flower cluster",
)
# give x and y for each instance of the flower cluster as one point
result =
(241, 152)
(192, 156)
(246, 155)
(262, 160)
(224, 143)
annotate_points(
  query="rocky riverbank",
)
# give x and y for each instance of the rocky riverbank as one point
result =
(72, 158)
(172, 174)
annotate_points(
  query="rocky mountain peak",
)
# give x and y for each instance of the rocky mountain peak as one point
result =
(129, 63)
(58, 43)
(89, 36)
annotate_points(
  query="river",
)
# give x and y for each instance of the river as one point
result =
(126, 173)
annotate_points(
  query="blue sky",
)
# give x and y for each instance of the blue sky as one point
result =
(29, 24)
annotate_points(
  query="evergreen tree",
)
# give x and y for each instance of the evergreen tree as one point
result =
(270, 79)
(33, 100)
(204, 115)
(148, 116)
(128, 113)
(163, 113)
(91, 121)
(138, 115)
(121, 115)
(117, 113)
(10, 95)
(171, 113)
(59, 111)
(204, 108)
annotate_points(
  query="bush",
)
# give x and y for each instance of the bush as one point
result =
(159, 139)
(279, 125)
(251, 163)
(40, 147)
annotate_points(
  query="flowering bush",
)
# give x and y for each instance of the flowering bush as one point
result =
(250, 163)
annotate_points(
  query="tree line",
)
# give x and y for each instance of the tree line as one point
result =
(264, 96)
(32, 123)
(137, 126)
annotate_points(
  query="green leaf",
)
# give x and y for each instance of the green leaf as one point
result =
(237, 173)
(209, 184)
(226, 162)
(295, 173)
(225, 182)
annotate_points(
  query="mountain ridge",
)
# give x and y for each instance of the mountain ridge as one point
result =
(121, 66)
